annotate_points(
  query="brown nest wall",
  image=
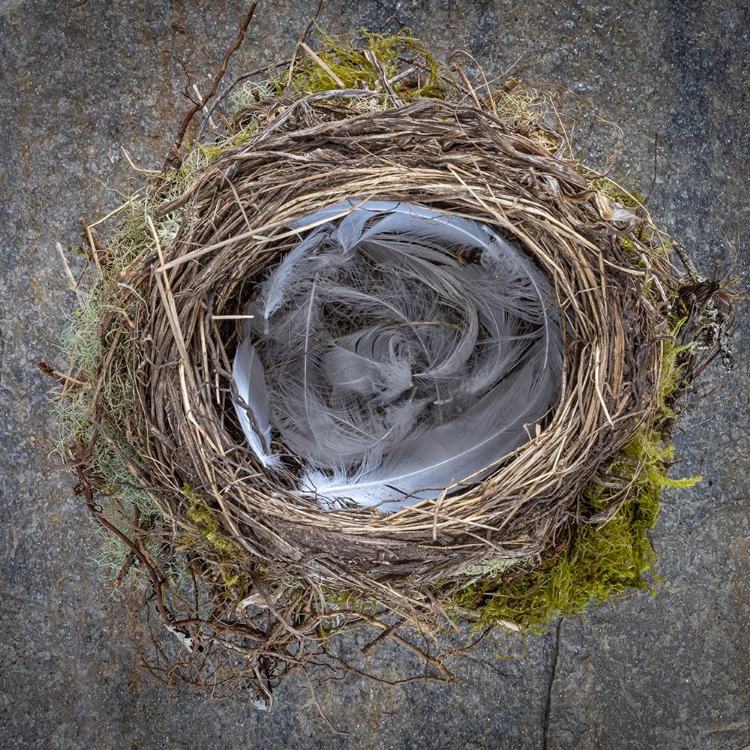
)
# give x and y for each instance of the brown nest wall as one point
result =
(614, 297)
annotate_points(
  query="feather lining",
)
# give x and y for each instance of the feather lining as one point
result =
(252, 406)
(390, 365)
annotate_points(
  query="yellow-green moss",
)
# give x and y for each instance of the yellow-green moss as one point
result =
(595, 559)
(226, 550)
(345, 57)
(631, 199)
(227, 556)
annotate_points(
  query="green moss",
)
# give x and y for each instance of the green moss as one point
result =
(597, 562)
(345, 57)
(225, 555)
(627, 199)
(206, 520)
(595, 559)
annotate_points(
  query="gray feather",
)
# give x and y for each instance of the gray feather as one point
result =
(390, 367)
(253, 405)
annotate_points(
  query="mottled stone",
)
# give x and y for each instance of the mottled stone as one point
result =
(81, 80)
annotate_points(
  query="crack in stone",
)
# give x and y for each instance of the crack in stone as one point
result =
(553, 671)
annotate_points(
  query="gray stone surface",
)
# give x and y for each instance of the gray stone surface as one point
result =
(81, 79)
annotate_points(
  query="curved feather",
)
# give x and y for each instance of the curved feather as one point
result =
(249, 377)
(391, 367)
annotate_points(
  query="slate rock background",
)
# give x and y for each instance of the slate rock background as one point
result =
(78, 80)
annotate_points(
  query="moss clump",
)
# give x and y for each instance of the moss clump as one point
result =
(607, 551)
(594, 561)
(631, 199)
(217, 551)
(364, 60)
(207, 523)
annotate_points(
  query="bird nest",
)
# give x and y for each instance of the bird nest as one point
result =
(237, 218)
(252, 573)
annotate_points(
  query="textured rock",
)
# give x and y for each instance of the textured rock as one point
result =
(80, 80)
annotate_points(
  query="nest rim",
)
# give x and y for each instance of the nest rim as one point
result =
(468, 518)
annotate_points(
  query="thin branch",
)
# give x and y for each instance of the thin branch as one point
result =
(301, 41)
(174, 159)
